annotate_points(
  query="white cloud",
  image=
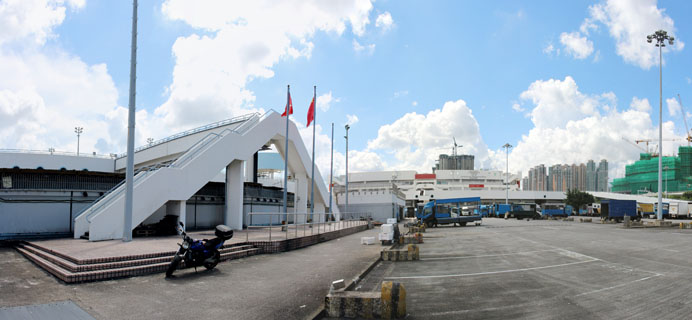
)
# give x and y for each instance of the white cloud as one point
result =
(414, 139)
(384, 21)
(359, 48)
(400, 93)
(549, 49)
(642, 105)
(576, 45)
(241, 41)
(689, 80)
(557, 102)
(629, 22)
(673, 107)
(414, 103)
(595, 131)
(351, 119)
(32, 20)
(324, 101)
(517, 107)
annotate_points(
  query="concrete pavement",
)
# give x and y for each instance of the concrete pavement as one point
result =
(290, 285)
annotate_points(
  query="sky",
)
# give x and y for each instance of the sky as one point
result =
(560, 81)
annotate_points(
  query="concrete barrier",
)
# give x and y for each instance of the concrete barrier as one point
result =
(389, 303)
(393, 300)
(411, 253)
(416, 229)
(585, 220)
(416, 238)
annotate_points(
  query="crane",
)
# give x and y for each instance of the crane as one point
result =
(455, 146)
(653, 153)
(684, 117)
(635, 145)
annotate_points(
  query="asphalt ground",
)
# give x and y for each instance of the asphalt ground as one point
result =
(539, 269)
(289, 285)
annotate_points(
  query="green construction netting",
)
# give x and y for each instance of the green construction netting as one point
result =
(643, 174)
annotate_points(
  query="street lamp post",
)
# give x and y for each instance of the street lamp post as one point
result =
(660, 36)
(78, 131)
(507, 146)
(347, 127)
(666, 172)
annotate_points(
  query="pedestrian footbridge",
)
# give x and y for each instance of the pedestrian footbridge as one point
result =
(171, 170)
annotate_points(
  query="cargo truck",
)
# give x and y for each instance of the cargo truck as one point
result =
(499, 210)
(679, 209)
(522, 211)
(456, 211)
(556, 210)
(617, 210)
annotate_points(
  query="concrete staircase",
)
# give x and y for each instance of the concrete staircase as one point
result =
(72, 270)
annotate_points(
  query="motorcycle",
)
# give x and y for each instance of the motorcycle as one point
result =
(203, 252)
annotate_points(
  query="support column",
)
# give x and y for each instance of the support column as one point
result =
(177, 208)
(250, 170)
(233, 209)
(301, 193)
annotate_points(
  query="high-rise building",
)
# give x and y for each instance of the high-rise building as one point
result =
(591, 176)
(564, 177)
(455, 162)
(602, 176)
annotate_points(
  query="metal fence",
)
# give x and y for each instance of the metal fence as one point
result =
(286, 224)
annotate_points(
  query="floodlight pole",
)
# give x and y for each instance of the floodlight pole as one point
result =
(507, 146)
(129, 171)
(660, 36)
(347, 127)
(78, 131)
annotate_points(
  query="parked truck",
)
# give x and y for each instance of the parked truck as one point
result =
(678, 209)
(499, 210)
(617, 210)
(556, 210)
(456, 211)
(523, 211)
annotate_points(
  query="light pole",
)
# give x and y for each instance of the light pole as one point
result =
(78, 131)
(661, 36)
(666, 172)
(347, 127)
(507, 146)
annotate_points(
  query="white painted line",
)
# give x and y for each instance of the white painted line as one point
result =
(489, 255)
(490, 272)
(619, 285)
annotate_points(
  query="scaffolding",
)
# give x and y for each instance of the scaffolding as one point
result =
(642, 176)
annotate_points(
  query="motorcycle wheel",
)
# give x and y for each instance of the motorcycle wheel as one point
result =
(213, 261)
(174, 265)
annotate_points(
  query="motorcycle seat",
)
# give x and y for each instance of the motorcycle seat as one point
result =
(211, 244)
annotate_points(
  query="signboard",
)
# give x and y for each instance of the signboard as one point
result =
(476, 186)
(7, 182)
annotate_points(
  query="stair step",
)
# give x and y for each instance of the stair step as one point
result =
(166, 254)
(70, 272)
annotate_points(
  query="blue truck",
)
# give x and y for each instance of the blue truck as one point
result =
(456, 211)
(556, 210)
(617, 210)
(499, 210)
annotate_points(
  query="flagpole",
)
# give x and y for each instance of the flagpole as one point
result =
(331, 172)
(288, 114)
(314, 124)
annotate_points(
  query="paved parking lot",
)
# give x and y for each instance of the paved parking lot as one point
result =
(289, 285)
(507, 269)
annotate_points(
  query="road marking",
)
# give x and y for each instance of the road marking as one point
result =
(619, 285)
(489, 255)
(490, 272)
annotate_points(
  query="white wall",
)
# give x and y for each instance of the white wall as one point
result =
(55, 162)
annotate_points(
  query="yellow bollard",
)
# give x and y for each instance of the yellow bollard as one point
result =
(393, 300)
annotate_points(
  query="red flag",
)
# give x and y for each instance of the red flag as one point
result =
(311, 112)
(289, 106)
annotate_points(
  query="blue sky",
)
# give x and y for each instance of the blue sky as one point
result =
(563, 82)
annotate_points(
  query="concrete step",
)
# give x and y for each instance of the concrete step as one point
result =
(101, 260)
(70, 272)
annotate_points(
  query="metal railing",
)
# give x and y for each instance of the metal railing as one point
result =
(114, 192)
(193, 131)
(323, 223)
(207, 141)
(59, 153)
